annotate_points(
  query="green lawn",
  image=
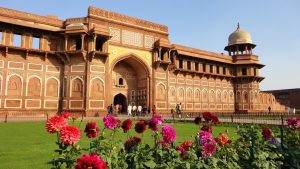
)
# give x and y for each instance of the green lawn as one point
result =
(28, 145)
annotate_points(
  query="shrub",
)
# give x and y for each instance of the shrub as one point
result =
(255, 148)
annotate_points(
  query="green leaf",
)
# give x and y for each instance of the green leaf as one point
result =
(150, 164)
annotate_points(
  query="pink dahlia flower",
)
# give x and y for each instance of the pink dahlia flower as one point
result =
(293, 122)
(91, 130)
(90, 162)
(110, 122)
(154, 122)
(55, 123)
(168, 133)
(206, 137)
(70, 135)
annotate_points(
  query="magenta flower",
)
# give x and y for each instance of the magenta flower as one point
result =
(168, 133)
(90, 162)
(110, 122)
(206, 137)
(154, 122)
(293, 122)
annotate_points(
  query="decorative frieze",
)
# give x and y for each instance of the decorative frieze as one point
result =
(132, 38)
(115, 34)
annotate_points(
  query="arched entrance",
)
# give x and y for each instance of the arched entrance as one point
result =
(121, 101)
(130, 77)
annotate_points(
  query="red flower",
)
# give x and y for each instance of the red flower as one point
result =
(131, 143)
(207, 128)
(55, 123)
(209, 149)
(215, 119)
(197, 120)
(70, 135)
(90, 162)
(181, 150)
(140, 127)
(207, 116)
(222, 139)
(126, 125)
(186, 145)
(91, 130)
(266, 132)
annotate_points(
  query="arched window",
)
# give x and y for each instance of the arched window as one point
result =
(212, 96)
(160, 92)
(77, 88)
(224, 96)
(181, 94)
(219, 97)
(52, 87)
(197, 95)
(34, 86)
(189, 94)
(97, 89)
(14, 86)
(204, 95)
(121, 81)
(245, 97)
(238, 95)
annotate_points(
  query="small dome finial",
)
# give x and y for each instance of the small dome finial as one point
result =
(238, 26)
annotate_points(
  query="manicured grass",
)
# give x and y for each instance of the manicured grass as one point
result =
(28, 145)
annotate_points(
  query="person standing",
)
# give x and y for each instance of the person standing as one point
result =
(129, 109)
(180, 110)
(117, 109)
(120, 109)
(111, 109)
(153, 110)
(108, 109)
(139, 110)
(134, 110)
(294, 110)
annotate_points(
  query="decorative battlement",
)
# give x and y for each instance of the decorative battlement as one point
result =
(115, 17)
(31, 17)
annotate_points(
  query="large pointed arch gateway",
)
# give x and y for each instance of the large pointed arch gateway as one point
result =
(130, 76)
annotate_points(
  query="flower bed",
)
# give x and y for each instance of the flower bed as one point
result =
(253, 149)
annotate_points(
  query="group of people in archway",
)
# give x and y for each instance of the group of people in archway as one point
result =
(131, 110)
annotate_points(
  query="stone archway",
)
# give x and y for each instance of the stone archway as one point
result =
(121, 101)
(130, 76)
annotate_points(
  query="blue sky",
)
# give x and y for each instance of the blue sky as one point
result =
(273, 24)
